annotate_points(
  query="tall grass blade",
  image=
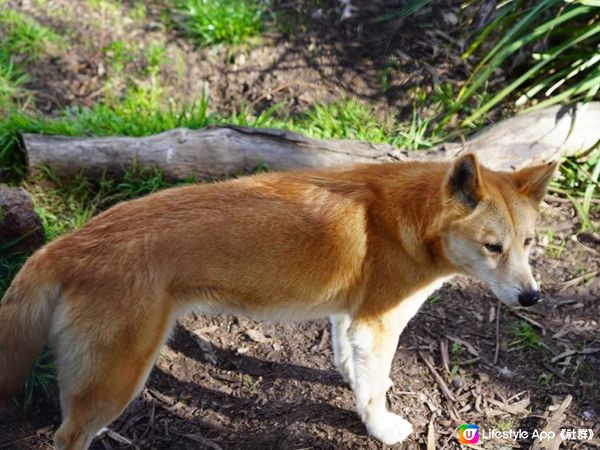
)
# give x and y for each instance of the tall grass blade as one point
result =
(532, 71)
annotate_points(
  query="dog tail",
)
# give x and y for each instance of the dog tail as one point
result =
(25, 319)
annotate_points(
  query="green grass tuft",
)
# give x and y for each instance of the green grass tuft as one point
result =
(231, 22)
(348, 119)
(580, 181)
(24, 35)
(524, 337)
(21, 39)
(40, 379)
(12, 79)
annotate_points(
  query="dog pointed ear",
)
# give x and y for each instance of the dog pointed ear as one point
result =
(533, 181)
(464, 181)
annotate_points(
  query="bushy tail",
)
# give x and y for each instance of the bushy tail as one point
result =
(25, 319)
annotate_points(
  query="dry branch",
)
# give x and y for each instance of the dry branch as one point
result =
(553, 425)
(229, 150)
(438, 379)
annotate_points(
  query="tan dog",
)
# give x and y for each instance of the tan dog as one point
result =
(364, 246)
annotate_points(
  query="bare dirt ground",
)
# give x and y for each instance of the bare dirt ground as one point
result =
(306, 56)
(230, 383)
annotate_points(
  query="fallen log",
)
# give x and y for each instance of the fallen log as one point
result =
(230, 150)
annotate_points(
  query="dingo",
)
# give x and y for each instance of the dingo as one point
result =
(364, 246)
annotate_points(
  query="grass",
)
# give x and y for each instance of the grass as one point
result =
(349, 119)
(40, 379)
(210, 22)
(555, 245)
(560, 40)
(434, 298)
(70, 203)
(24, 35)
(525, 337)
(21, 39)
(9, 266)
(12, 79)
(580, 181)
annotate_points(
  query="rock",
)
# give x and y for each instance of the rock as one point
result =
(457, 382)
(21, 229)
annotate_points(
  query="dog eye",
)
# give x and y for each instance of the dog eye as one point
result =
(528, 242)
(494, 248)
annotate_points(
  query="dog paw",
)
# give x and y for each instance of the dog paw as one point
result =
(390, 428)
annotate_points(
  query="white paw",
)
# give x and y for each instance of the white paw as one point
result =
(389, 428)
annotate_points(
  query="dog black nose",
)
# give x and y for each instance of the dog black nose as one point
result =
(529, 297)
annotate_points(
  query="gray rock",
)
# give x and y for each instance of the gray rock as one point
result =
(21, 229)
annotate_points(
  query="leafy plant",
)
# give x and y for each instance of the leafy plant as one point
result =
(561, 42)
(525, 337)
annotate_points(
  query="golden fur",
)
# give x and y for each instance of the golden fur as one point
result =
(362, 245)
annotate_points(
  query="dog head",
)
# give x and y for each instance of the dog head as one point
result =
(489, 225)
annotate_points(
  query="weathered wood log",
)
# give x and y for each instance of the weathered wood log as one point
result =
(21, 229)
(229, 150)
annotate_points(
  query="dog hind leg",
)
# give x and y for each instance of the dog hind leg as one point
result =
(98, 377)
(342, 348)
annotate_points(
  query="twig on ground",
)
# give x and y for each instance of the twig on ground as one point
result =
(564, 285)
(530, 320)
(438, 379)
(199, 439)
(585, 351)
(553, 424)
(12, 443)
(431, 433)
(150, 422)
(445, 356)
(470, 348)
(118, 437)
(497, 349)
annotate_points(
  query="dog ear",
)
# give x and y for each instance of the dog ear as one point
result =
(464, 181)
(533, 181)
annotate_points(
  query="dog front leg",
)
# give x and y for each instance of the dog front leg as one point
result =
(374, 340)
(374, 343)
